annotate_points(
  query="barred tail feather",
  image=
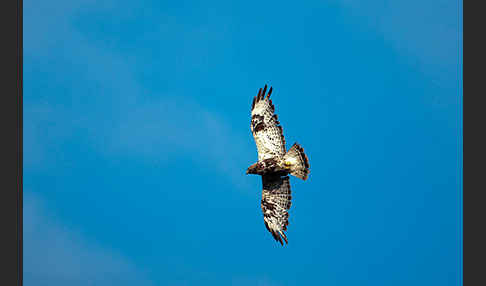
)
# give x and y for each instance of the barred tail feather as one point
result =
(298, 161)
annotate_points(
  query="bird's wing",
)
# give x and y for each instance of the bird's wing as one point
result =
(266, 129)
(276, 201)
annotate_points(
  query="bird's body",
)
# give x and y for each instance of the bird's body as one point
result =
(274, 164)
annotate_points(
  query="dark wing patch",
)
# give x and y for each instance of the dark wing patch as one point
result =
(276, 201)
(257, 122)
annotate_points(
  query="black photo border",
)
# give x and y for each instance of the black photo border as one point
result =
(472, 110)
(11, 121)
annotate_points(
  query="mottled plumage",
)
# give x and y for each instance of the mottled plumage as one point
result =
(276, 201)
(274, 164)
(266, 128)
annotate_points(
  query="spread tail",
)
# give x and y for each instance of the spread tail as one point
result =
(297, 161)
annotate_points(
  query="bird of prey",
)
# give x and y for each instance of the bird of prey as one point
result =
(274, 164)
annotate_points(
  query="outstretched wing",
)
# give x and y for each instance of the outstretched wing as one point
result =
(276, 200)
(265, 127)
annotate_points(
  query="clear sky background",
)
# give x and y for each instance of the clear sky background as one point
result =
(137, 138)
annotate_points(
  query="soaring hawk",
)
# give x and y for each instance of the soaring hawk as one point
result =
(274, 164)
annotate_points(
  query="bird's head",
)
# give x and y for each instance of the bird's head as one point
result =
(252, 169)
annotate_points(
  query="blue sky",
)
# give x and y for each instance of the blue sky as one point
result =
(137, 138)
